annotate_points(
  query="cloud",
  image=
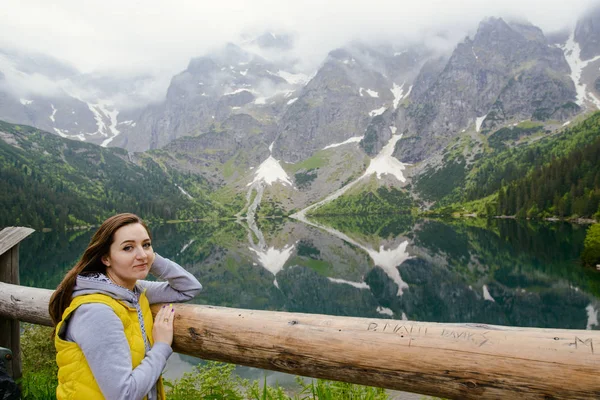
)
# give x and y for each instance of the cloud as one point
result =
(160, 37)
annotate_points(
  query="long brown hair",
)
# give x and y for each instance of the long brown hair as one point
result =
(90, 261)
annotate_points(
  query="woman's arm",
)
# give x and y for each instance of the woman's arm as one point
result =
(180, 285)
(99, 333)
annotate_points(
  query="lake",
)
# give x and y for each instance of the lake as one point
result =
(503, 272)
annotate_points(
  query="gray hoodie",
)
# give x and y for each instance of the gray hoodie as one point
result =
(99, 332)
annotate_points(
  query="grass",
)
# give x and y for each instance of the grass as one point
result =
(209, 381)
(316, 161)
(215, 381)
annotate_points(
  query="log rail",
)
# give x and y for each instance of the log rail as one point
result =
(458, 361)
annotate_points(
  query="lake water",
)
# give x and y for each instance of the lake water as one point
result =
(502, 272)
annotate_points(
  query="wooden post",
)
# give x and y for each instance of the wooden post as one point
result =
(10, 329)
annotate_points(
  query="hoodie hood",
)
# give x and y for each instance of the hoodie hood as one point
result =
(98, 283)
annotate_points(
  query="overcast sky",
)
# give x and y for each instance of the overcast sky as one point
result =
(165, 34)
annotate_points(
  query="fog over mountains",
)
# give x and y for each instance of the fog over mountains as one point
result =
(251, 112)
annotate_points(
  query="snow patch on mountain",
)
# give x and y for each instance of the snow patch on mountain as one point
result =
(398, 92)
(184, 192)
(385, 163)
(592, 315)
(273, 259)
(101, 112)
(293, 79)
(65, 134)
(487, 295)
(239, 91)
(387, 259)
(358, 285)
(354, 139)
(385, 311)
(377, 111)
(479, 122)
(573, 55)
(25, 102)
(292, 101)
(370, 92)
(185, 246)
(53, 113)
(270, 171)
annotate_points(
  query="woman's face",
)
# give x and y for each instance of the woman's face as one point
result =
(130, 256)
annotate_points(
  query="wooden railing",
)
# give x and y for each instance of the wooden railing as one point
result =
(458, 361)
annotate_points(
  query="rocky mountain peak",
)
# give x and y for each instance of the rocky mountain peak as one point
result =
(528, 31)
(488, 81)
(587, 34)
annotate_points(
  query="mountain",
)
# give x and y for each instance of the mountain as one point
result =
(354, 85)
(41, 91)
(505, 74)
(51, 182)
(212, 89)
(271, 139)
(587, 35)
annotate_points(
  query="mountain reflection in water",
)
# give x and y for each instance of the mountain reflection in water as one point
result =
(498, 272)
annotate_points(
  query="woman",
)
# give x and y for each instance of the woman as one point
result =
(107, 344)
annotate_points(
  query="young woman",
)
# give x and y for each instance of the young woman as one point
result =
(108, 345)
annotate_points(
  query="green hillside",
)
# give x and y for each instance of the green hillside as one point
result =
(51, 182)
(558, 175)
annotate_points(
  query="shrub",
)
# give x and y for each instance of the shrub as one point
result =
(591, 246)
(38, 356)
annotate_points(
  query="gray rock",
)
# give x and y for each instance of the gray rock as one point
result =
(587, 34)
(508, 72)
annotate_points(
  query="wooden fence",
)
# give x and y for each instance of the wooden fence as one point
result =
(458, 361)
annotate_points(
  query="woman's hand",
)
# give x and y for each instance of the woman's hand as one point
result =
(163, 325)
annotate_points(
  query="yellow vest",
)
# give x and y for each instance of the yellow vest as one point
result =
(75, 378)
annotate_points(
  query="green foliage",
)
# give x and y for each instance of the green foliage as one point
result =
(382, 200)
(210, 381)
(591, 246)
(40, 372)
(497, 139)
(371, 136)
(304, 178)
(253, 391)
(496, 170)
(51, 182)
(332, 390)
(378, 225)
(442, 182)
(566, 186)
(556, 176)
(318, 160)
(215, 381)
(307, 249)
(270, 208)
